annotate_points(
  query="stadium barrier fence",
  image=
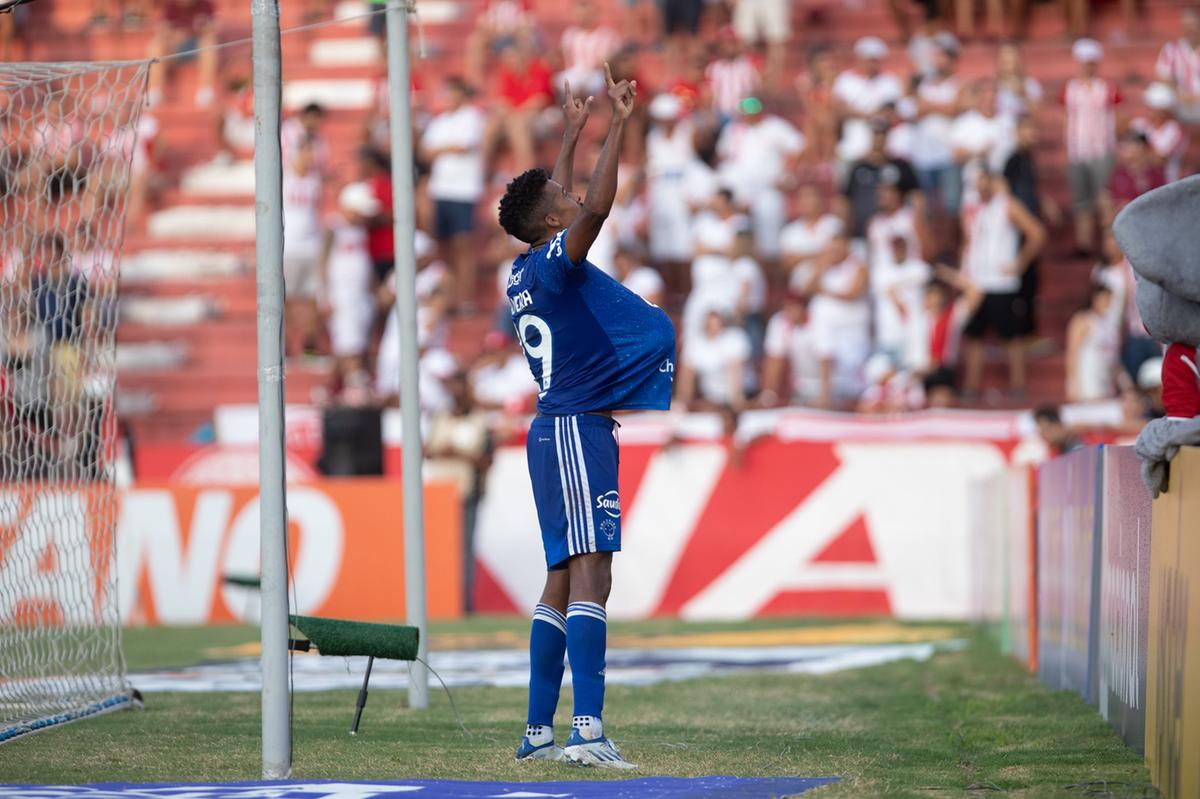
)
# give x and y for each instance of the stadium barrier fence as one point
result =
(1004, 553)
(1068, 566)
(1173, 651)
(1124, 594)
(1119, 601)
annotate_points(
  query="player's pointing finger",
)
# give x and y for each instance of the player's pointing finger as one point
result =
(608, 75)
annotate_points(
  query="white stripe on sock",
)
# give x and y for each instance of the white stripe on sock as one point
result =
(553, 611)
(551, 620)
(584, 604)
(590, 614)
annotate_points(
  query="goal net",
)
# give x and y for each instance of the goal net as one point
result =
(68, 140)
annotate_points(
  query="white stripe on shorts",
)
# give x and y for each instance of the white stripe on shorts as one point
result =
(587, 492)
(566, 492)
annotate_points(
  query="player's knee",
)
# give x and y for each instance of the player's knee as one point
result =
(557, 592)
(591, 577)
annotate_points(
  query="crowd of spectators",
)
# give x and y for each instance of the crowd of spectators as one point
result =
(851, 237)
(835, 231)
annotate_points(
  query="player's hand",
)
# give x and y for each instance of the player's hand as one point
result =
(575, 111)
(621, 94)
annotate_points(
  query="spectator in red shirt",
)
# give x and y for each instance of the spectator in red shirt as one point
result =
(1137, 172)
(185, 25)
(375, 169)
(523, 91)
(1181, 382)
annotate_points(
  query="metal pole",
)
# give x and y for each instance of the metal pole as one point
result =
(268, 229)
(406, 307)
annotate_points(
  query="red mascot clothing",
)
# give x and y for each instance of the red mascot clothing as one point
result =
(1181, 382)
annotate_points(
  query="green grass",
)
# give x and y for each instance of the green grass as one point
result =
(965, 723)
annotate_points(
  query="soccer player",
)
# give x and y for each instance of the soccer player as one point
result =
(594, 347)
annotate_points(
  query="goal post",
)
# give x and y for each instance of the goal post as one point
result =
(69, 134)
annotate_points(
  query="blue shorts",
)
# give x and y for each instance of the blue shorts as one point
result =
(573, 467)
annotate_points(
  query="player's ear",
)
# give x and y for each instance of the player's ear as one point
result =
(553, 222)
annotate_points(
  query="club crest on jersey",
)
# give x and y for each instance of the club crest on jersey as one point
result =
(610, 503)
(609, 528)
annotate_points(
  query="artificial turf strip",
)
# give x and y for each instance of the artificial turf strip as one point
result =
(964, 723)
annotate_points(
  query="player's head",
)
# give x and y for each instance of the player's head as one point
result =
(534, 207)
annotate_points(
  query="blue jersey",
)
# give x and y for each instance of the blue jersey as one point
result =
(592, 344)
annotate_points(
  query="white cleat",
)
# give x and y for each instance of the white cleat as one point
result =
(528, 752)
(599, 752)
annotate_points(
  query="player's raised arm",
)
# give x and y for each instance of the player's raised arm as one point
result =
(602, 188)
(575, 112)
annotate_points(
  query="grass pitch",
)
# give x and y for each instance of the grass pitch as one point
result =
(965, 723)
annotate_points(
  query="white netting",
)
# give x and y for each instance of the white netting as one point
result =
(68, 134)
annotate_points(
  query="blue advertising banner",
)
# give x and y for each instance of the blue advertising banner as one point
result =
(1124, 594)
(642, 788)
(1068, 572)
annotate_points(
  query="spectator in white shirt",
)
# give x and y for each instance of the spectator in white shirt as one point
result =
(1017, 94)
(978, 138)
(932, 157)
(894, 219)
(792, 367)
(758, 153)
(346, 276)
(644, 281)
(751, 290)
(302, 235)
(767, 21)
(859, 94)
(714, 285)
(898, 291)
(1165, 135)
(305, 127)
(452, 145)
(841, 320)
(732, 77)
(1001, 239)
(716, 373)
(1178, 66)
(1091, 139)
(586, 46)
(805, 238)
(1093, 345)
(676, 182)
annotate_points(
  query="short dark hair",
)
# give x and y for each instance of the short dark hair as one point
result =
(523, 198)
(376, 157)
(1047, 413)
(313, 108)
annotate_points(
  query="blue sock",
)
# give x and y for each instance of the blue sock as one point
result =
(587, 629)
(547, 645)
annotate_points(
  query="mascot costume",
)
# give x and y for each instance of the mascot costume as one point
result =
(1158, 233)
